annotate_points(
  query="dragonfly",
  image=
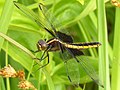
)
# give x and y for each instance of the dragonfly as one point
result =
(63, 43)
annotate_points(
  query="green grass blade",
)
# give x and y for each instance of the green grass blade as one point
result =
(91, 6)
(49, 81)
(5, 18)
(2, 84)
(103, 50)
(4, 23)
(6, 61)
(116, 53)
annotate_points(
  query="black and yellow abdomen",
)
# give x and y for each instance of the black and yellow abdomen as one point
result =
(81, 45)
(78, 46)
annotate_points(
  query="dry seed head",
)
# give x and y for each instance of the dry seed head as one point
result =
(8, 71)
(21, 75)
(24, 84)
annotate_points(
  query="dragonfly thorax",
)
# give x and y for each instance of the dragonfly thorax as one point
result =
(42, 45)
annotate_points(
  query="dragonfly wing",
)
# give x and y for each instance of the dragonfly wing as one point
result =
(52, 21)
(54, 24)
(64, 37)
(28, 12)
(33, 16)
(73, 72)
(86, 66)
(71, 66)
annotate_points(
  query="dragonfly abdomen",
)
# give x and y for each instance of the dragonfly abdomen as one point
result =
(77, 45)
(82, 45)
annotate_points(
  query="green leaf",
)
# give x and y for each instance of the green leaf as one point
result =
(5, 19)
(116, 54)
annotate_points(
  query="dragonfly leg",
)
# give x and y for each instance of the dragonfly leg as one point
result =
(43, 56)
(44, 64)
(40, 59)
(47, 61)
(34, 51)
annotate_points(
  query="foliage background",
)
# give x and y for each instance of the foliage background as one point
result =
(82, 20)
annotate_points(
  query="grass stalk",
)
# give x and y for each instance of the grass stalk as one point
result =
(115, 83)
(103, 50)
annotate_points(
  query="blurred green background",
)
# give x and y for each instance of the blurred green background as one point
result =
(84, 20)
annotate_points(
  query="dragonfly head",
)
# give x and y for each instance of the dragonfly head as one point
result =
(42, 45)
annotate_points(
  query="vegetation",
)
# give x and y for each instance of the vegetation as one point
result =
(85, 20)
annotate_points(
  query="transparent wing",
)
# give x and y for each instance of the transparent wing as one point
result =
(32, 15)
(47, 21)
(86, 65)
(53, 22)
(73, 72)
(72, 69)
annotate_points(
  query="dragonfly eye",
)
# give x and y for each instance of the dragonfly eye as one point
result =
(42, 45)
